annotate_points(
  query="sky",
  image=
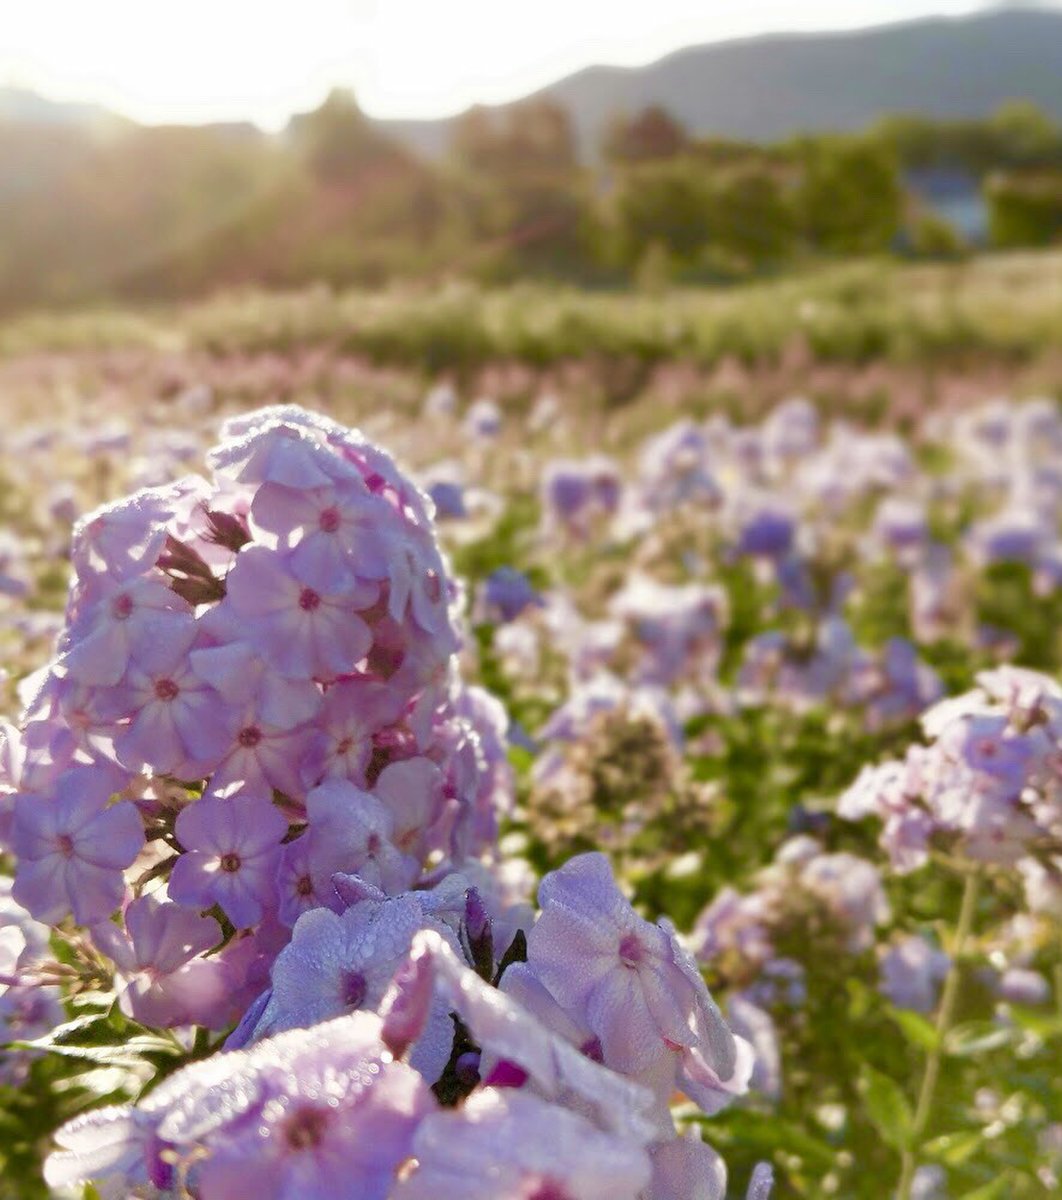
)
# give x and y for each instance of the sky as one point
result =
(261, 60)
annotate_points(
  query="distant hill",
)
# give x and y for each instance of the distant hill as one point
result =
(30, 108)
(768, 87)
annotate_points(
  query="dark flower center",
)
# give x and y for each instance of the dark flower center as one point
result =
(592, 1050)
(122, 606)
(250, 736)
(65, 844)
(355, 986)
(230, 863)
(631, 950)
(309, 600)
(166, 689)
(305, 1128)
(304, 887)
(328, 521)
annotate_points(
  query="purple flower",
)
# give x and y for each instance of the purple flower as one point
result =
(179, 725)
(510, 1145)
(521, 1048)
(505, 594)
(340, 963)
(123, 620)
(321, 1114)
(232, 848)
(72, 847)
(341, 745)
(351, 832)
(911, 973)
(304, 627)
(628, 982)
(163, 979)
(338, 533)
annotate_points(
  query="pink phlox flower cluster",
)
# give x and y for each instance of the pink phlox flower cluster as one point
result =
(988, 785)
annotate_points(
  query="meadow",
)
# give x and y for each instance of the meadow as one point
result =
(755, 589)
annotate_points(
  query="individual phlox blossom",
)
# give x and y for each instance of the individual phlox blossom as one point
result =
(419, 818)
(259, 756)
(304, 627)
(296, 891)
(341, 744)
(629, 982)
(163, 980)
(320, 1114)
(506, 1144)
(231, 853)
(912, 970)
(352, 832)
(245, 681)
(504, 595)
(336, 534)
(171, 720)
(72, 847)
(122, 539)
(122, 622)
(338, 963)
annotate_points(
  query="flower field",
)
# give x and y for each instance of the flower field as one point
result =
(492, 747)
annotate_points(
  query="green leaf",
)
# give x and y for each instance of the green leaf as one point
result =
(953, 1149)
(1001, 1186)
(887, 1107)
(976, 1037)
(918, 1030)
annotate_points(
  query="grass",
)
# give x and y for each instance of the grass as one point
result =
(1004, 307)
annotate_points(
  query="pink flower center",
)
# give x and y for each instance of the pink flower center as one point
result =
(546, 1189)
(309, 600)
(122, 606)
(65, 844)
(355, 986)
(631, 950)
(305, 1128)
(592, 1050)
(166, 689)
(230, 863)
(328, 522)
(249, 736)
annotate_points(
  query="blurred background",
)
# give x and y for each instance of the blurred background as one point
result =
(401, 143)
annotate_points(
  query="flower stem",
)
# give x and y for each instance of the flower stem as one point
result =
(945, 1014)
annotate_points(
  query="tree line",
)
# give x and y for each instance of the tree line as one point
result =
(136, 212)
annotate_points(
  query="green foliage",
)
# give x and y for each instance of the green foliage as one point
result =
(849, 199)
(1025, 208)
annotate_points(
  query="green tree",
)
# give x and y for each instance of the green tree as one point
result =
(1025, 208)
(849, 200)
